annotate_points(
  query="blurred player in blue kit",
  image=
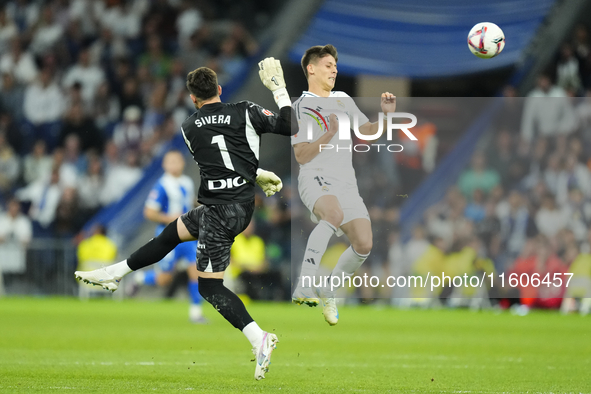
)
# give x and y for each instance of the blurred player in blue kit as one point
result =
(172, 195)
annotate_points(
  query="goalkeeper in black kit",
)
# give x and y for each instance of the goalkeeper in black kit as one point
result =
(224, 139)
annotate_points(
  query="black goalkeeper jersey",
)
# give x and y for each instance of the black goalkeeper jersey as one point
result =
(224, 139)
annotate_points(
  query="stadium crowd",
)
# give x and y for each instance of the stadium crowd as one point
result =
(91, 91)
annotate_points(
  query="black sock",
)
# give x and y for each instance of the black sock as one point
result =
(156, 248)
(225, 302)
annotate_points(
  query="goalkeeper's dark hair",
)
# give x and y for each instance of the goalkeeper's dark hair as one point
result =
(203, 83)
(318, 52)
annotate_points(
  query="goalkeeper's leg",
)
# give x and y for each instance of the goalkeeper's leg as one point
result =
(328, 209)
(155, 250)
(218, 226)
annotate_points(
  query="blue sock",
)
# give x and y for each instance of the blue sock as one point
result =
(150, 278)
(194, 292)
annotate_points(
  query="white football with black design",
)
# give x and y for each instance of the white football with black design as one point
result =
(486, 40)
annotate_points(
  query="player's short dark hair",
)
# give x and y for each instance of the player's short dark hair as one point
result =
(318, 52)
(203, 83)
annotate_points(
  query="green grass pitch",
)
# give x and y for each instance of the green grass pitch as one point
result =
(65, 345)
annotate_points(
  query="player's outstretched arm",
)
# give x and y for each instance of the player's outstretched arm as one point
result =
(388, 104)
(271, 75)
(286, 123)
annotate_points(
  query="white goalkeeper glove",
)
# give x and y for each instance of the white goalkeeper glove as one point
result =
(269, 182)
(271, 75)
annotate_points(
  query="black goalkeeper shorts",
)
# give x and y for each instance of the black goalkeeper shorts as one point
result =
(215, 227)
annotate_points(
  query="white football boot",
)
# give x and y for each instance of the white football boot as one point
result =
(99, 277)
(330, 311)
(263, 354)
(305, 296)
(329, 306)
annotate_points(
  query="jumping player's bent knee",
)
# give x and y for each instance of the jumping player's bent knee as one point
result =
(363, 247)
(328, 208)
(333, 215)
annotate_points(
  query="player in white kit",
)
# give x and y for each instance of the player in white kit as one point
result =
(327, 183)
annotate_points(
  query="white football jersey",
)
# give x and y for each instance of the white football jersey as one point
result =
(336, 159)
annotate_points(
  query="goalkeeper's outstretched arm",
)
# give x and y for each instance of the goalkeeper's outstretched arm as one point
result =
(286, 123)
(271, 75)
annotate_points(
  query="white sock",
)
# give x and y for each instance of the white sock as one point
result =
(119, 269)
(348, 263)
(195, 311)
(254, 334)
(315, 248)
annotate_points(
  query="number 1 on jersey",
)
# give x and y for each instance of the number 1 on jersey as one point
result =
(219, 139)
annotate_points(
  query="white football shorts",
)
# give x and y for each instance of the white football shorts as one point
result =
(313, 184)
